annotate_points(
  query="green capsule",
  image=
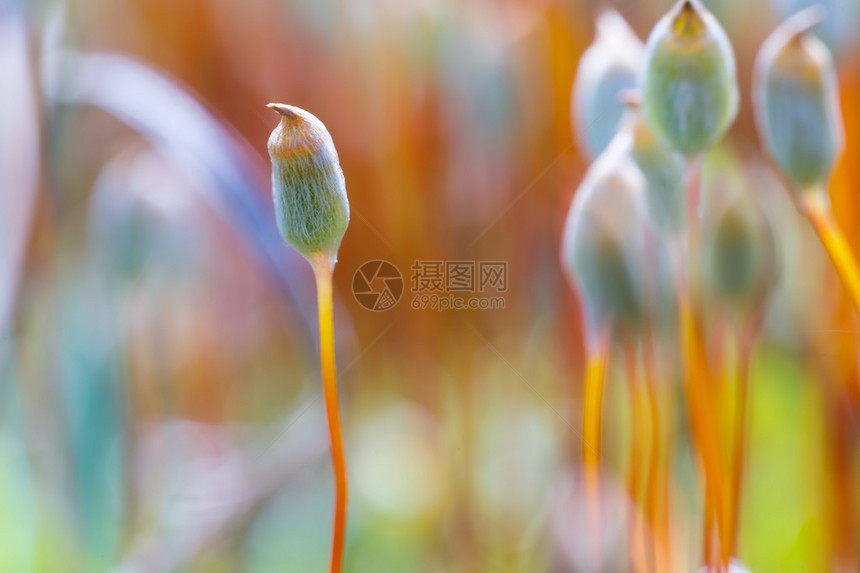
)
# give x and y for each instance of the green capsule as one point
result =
(690, 95)
(611, 64)
(664, 170)
(796, 102)
(838, 31)
(739, 254)
(600, 249)
(311, 207)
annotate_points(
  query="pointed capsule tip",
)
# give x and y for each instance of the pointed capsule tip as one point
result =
(285, 110)
(691, 6)
(609, 23)
(807, 20)
(688, 22)
(605, 13)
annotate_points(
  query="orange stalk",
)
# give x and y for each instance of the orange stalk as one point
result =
(655, 497)
(637, 435)
(595, 375)
(323, 273)
(697, 391)
(635, 421)
(697, 377)
(708, 536)
(817, 207)
(739, 438)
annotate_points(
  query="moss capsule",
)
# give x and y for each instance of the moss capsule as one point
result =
(690, 95)
(664, 171)
(739, 255)
(311, 207)
(600, 248)
(610, 65)
(796, 102)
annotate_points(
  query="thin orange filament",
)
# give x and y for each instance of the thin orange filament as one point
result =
(698, 385)
(655, 502)
(637, 435)
(817, 208)
(323, 273)
(739, 438)
(697, 390)
(595, 375)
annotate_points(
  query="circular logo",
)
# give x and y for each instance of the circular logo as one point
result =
(377, 285)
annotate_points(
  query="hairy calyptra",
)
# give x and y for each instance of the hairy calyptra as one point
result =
(739, 255)
(664, 170)
(796, 102)
(311, 207)
(689, 84)
(610, 65)
(800, 123)
(601, 238)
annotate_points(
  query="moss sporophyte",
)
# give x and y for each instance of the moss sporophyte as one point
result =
(795, 92)
(796, 100)
(689, 100)
(600, 253)
(312, 213)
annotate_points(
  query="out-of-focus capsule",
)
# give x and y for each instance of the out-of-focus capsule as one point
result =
(610, 65)
(663, 168)
(739, 257)
(601, 242)
(144, 223)
(690, 95)
(838, 30)
(797, 110)
(311, 206)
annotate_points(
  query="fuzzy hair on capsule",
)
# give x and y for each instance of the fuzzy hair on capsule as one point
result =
(308, 187)
(600, 248)
(689, 86)
(610, 65)
(795, 92)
